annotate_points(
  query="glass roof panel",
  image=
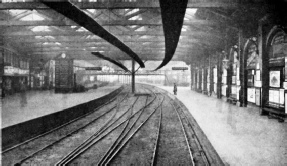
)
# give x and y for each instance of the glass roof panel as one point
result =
(40, 28)
(32, 17)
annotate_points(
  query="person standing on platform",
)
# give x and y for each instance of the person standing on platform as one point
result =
(175, 89)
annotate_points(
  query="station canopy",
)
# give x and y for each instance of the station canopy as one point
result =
(39, 32)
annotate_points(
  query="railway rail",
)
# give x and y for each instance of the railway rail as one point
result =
(148, 128)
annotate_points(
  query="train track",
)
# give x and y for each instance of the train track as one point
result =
(115, 152)
(21, 146)
(145, 129)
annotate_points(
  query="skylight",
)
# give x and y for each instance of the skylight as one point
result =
(133, 26)
(144, 37)
(81, 29)
(141, 29)
(184, 28)
(91, 10)
(132, 11)
(16, 12)
(39, 37)
(32, 17)
(40, 28)
(49, 37)
(191, 11)
(136, 18)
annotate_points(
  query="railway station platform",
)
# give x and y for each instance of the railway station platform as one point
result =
(239, 134)
(33, 104)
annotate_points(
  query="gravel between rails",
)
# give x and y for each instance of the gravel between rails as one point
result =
(95, 153)
(139, 149)
(172, 147)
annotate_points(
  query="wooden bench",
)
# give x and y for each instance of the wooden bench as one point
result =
(274, 113)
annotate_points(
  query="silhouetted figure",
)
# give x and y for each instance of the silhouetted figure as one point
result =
(23, 101)
(175, 89)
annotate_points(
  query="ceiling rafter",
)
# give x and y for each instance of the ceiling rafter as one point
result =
(139, 4)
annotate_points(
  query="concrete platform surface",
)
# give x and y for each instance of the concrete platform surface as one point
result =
(240, 135)
(33, 104)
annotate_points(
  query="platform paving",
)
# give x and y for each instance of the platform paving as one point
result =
(33, 104)
(239, 134)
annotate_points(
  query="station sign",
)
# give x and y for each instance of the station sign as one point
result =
(93, 68)
(179, 68)
(9, 70)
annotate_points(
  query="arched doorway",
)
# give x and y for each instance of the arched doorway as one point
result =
(276, 53)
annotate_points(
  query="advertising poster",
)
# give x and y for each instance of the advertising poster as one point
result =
(281, 96)
(224, 72)
(215, 75)
(233, 79)
(223, 91)
(224, 79)
(237, 74)
(234, 91)
(258, 75)
(285, 68)
(274, 79)
(271, 96)
(257, 97)
(251, 95)
(237, 95)
(276, 96)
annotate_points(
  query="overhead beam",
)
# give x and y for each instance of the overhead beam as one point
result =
(88, 55)
(123, 5)
(92, 41)
(123, 33)
(103, 23)
(184, 48)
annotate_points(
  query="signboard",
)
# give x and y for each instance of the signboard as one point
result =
(179, 68)
(9, 70)
(93, 68)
